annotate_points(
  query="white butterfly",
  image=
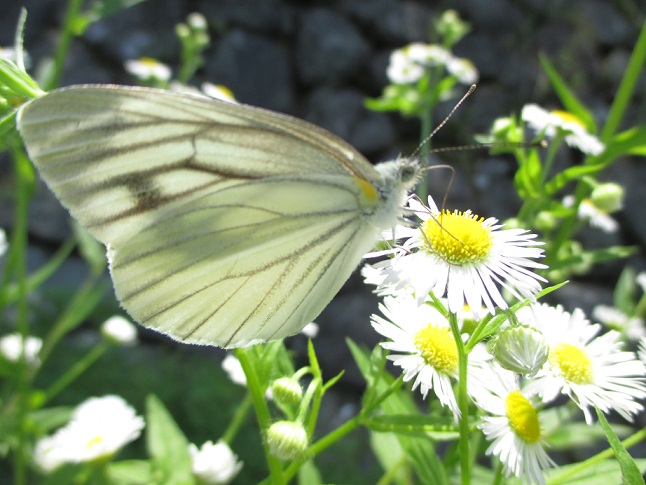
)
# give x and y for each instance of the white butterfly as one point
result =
(224, 224)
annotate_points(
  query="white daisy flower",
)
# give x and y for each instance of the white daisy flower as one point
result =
(146, 69)
(4, 245)
(463, 69)
(311, 330)
(12, 346)
(641, 350)
(552, 123)
(99, 428)
(641, 281)
(464, 257)
(423, 346)
(514, 426)
(119, 331)
(214, 464)
(592, 370)
(233, 368)
(218, 91)
(613, 318)
(589, 212)
(408, 64)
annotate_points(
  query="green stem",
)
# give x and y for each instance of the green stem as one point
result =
(463, 401)
(262, 414)
(73, 9)
(75, 371)
(344, 429)
(565, 476)
(19, 244)
(238, 418)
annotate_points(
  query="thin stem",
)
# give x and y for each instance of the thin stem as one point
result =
(238, 418)
(73, 9)
(262, 414)
(463, 401)
(75, 371)
(19, 242)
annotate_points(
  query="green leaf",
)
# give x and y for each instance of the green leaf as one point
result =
(390, 455)
(629, 471)
(602, 473)
(308, 474)
(567, 96)
(528, 175)
(131, 472)
(625, 292)
(43, 421)
(436, 427)
(92, 250)
(167, 445)
(420, 452)
(595, 256)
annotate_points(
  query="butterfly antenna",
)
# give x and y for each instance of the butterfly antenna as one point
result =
(444, 121)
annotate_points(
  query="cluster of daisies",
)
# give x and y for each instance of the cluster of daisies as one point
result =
(101, 426)
(456, 263)
(408, 64)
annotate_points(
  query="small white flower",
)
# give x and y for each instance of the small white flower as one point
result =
(514, 426)
(588, 212)
(552, 122)
(11, 347)
(592, 370)
(463, 69)
(100, 426)
(641, 351)
(408, 64)
(146, 69)
(641, 281)
(218, 91)
(615, 319)
(232, 367)
(423, 346)
(402, 69)
(311, 330)
(214, 464)
(119, 331)
(4, 245)
(197, 21)
(464, 257)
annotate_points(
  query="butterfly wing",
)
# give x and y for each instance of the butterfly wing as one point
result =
(225, 224)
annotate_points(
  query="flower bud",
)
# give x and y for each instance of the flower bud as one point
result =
(287, 440)
(287, 391)
(520, 349)
(608, 197)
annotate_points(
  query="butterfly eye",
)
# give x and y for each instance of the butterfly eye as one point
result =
(408, 171)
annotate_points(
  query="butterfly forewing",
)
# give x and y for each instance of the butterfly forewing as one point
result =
(225, 224)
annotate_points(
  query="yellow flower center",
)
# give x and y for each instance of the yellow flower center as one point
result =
(94, 442)
(149, 61)
(438, 348)
(574, 364)
(568, 117)
(522, 417)
(458, 238)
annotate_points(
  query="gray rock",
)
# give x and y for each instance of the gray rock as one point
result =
(329, 48)
(256, 68)
(342, 112)
(263, 16)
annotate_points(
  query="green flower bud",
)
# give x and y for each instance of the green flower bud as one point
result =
(287, 440)
(545, 221)
(608, 197)
(520, 349)
(286, 391)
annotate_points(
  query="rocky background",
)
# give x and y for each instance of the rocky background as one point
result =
(320, 59)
